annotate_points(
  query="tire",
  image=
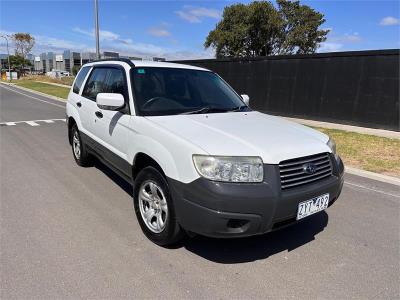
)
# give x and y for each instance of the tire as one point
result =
(79, 151)
(161, 226)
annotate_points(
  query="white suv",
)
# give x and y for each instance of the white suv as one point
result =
(199, 158)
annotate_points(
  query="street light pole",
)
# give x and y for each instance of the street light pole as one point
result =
(96, 23)
(8, 56)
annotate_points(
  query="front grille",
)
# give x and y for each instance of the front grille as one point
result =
(293, 172)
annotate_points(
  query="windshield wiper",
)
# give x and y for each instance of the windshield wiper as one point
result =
(239, 108)
(204, 110)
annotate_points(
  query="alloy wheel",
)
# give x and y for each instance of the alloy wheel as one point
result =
(153, 206)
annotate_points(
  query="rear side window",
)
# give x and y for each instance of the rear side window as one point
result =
(79, 79)
(104, 80)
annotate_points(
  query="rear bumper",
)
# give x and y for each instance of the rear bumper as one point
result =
(226, 210)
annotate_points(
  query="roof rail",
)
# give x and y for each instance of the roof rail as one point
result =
(125, 60)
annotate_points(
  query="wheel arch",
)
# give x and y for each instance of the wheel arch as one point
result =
(143, 160)
(73, 118)
(71, 123)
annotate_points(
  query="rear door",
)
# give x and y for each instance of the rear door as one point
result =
(76, 99)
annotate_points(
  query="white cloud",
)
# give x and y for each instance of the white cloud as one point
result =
(159, 31)
(104, 35)
(188, 55)
(110, 42)
(57, 44)
(194, 14)
(125, 46)
(389, 21)
(339, 42)
(45, 43)
(346, 38)
(330, 47)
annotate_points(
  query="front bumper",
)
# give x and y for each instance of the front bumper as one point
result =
(218, 209)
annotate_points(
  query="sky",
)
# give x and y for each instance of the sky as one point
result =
(178, 29)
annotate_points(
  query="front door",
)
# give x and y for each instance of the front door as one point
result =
(110, 128)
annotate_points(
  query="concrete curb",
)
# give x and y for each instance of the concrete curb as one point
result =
(374, 176)
(35, 92)
(363, 130)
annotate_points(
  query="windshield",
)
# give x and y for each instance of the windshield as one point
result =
(168, 91)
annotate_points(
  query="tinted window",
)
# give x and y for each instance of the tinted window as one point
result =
(104, 80)
(164, 91)
(79, 79)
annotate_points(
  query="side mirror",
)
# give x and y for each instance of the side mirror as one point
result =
(110, 101)
(246, 99)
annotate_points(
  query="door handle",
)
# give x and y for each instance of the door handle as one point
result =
(78, 104)
(99, 114)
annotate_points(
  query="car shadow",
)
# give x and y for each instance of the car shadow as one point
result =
(241, 250)
(122, 183)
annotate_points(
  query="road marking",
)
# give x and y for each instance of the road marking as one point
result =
(372, 190)
(31, 122)
(29, 96)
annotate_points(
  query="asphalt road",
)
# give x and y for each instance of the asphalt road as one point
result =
(70, 232)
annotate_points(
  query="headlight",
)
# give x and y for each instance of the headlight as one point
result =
(229, 169)
(331, 144)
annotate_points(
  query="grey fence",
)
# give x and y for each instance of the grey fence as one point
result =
(358, 88)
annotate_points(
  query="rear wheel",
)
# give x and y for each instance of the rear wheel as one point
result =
(82, 157)
(154, 208)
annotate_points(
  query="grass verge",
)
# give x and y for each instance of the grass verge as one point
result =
(49, 89)
(62, 80)
(367, 152)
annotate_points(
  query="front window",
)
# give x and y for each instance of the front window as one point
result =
(104, 80)
(168, 91)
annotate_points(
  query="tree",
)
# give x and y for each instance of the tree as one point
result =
(301, 28)
(260, 29)
(17, 62)
(75, 70)
(24, 43)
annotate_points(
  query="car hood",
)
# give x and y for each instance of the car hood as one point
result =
(274, 139)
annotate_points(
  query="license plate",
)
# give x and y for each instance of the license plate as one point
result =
(312, 206)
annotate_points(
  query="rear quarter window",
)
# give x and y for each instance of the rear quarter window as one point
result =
(79, 79)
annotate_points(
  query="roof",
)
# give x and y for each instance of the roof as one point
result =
(147, 63)
(159, 64)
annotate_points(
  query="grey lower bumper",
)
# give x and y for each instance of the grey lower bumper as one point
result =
(219, 209)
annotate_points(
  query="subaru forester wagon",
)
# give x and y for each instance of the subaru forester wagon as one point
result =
(199, 158)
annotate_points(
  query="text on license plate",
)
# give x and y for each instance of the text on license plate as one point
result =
(312, 206)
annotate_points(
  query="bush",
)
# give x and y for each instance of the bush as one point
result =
(75, 70)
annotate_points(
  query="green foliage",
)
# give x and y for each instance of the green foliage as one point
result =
(260, 29)
(75, 70)
(17, 62)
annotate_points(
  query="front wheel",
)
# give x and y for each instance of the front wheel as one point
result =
(154, 208)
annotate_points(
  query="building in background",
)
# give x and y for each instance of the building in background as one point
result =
(4, 61)
(40, 64)
(109, 54)
(87, 57)
(70, 61)
(131, 57)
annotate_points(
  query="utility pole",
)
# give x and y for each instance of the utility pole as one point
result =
(96, 23)
(8, 56)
